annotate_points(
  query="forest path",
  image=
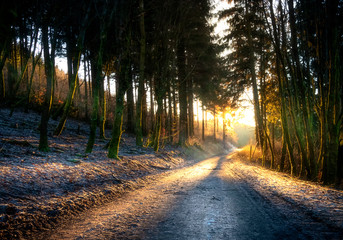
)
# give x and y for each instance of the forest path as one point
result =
(204, 201)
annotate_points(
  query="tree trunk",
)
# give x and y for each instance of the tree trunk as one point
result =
(307, 151)
(141, 90)
(43, 140)
(72, 77)
(175, 118)
(284, 122)
(117, 131)
(258, 116)
(34, 63)
(224, 130)
(117, 124)
(190, 109)
(152, 105)
(144, 118)
(3, 58)
(203, 123)
(130, 108)
(334, 93)
(96, 78)
(283, 155)
(74, 50)
(102, 108)
(157, 133)
(170, 115)
(181, 65)
(214, 125)
(86, 89)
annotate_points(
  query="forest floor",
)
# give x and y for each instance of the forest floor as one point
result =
(41, 191)
(38, 190)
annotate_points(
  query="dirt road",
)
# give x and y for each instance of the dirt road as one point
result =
(204, 201)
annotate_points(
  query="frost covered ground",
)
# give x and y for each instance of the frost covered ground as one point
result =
(319, 202)
(38, 189)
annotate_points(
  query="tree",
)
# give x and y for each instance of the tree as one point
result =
(75, 42)
(49, 55)
(97, 48)
(139, 107)
(124, 76)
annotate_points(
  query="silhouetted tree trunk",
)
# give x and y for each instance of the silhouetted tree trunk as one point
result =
(214, 124)
(141, 90)
(190, 109)
(96, 78)
(284, 121)
(102, 108)
(33, 68)
(181, 65)
(252, 68)
(130, 109)
(203, 123)
(48, 58)
(3, 57)
(74, 49)
(175, 118)
(152, 105)
(72, 77)
(145, 121)
(86, 88)
(224, 130)
(170, 114)
(158, 124)
(333, 95)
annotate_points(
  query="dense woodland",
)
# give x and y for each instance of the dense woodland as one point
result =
(162, 58)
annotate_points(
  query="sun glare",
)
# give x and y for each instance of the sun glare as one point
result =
(246, 116)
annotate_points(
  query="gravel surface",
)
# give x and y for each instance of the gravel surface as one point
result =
(208, 200)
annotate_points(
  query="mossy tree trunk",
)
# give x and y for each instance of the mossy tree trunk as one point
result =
(96, 78)
(124, 77)
(117, 131)
(72, 87)
(74, 49)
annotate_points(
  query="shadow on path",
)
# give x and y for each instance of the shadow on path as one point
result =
(204, 201)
